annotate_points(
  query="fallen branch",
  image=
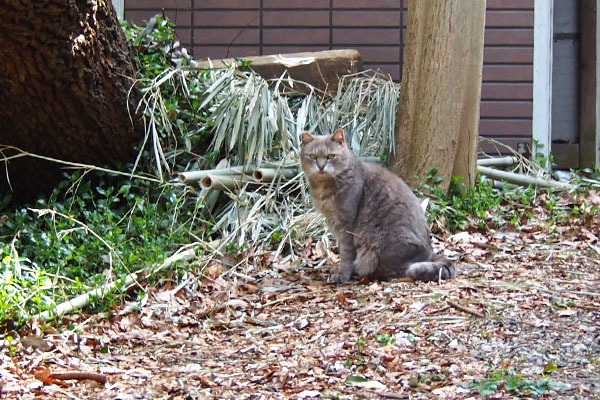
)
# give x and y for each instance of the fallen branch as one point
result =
(84, 299)
(465, 309)
(79, 375)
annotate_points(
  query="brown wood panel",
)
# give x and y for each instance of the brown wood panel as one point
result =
(367, 4)
(508, 73)
(296, 4)
(507, 19)
(380, 18)
(233, 4)
(509, 4)
(567, 155)
(294, 18)
(381, 54)
(158, 4)
(220, 52)
(283, 49)
(370, 36)
(226, 36)
(505, 127)
(487, 147)
(227, 18)
(178, 17)
(517, 55)
(587, 92)
(316, 36)
(508, 37)
(503, 91)
(393, 70)
(506, 109)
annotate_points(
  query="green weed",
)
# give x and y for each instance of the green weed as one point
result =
(509, 381)
(385, 339)
(83, 236)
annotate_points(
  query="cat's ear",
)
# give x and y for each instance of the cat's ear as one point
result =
(307, 138)
(338, 137)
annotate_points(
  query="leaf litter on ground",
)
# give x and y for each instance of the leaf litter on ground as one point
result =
(276, 329)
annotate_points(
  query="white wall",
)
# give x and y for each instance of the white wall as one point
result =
(542, 77)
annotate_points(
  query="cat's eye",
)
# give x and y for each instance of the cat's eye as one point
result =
(313, 156)
(330, 156)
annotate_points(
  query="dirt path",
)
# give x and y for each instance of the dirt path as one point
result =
(524, 303)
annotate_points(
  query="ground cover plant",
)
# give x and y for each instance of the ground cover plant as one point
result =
(230, 300)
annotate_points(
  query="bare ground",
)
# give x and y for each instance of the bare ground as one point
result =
(525, 305)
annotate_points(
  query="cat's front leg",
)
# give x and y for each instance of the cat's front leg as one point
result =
(347, 257)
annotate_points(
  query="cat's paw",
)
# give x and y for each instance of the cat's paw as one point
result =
(339, 276)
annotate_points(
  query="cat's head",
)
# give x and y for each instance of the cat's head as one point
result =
(326, 155)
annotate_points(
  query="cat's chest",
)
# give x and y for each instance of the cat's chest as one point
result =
(323, 197)
(325, 201)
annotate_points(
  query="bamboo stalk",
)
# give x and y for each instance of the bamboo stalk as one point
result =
(194, 176)
(224, 182)
(522, 180)
(131, 279)
(269, 174)
(497, 161)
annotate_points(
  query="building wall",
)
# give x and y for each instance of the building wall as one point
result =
(238, 28)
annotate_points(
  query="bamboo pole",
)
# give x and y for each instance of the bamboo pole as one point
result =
(497, 161)
(131, 279)
(522, 180)
(269, 174)
(224, 182)
(194, 176)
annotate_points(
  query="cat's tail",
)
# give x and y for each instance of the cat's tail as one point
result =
(438, 268)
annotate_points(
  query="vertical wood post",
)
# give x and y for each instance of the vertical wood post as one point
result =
(438, 114)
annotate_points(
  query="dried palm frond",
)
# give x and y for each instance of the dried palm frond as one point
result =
(254, 123)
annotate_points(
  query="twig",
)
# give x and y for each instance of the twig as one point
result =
(366, 242)
(54, 213)
(465, 309)
(79, 375)
(438, 310)
(389, 395)
(23, 153)
(67, 394)
(270, 303)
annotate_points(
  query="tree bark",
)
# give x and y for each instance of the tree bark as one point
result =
(438, 115)
(65, 75)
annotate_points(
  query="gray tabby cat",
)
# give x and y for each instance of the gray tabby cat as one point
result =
(381, 230)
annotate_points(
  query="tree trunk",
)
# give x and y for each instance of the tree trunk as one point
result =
(438, 116)
(65, 75)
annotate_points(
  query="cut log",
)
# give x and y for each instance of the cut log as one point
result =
(321, 69)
